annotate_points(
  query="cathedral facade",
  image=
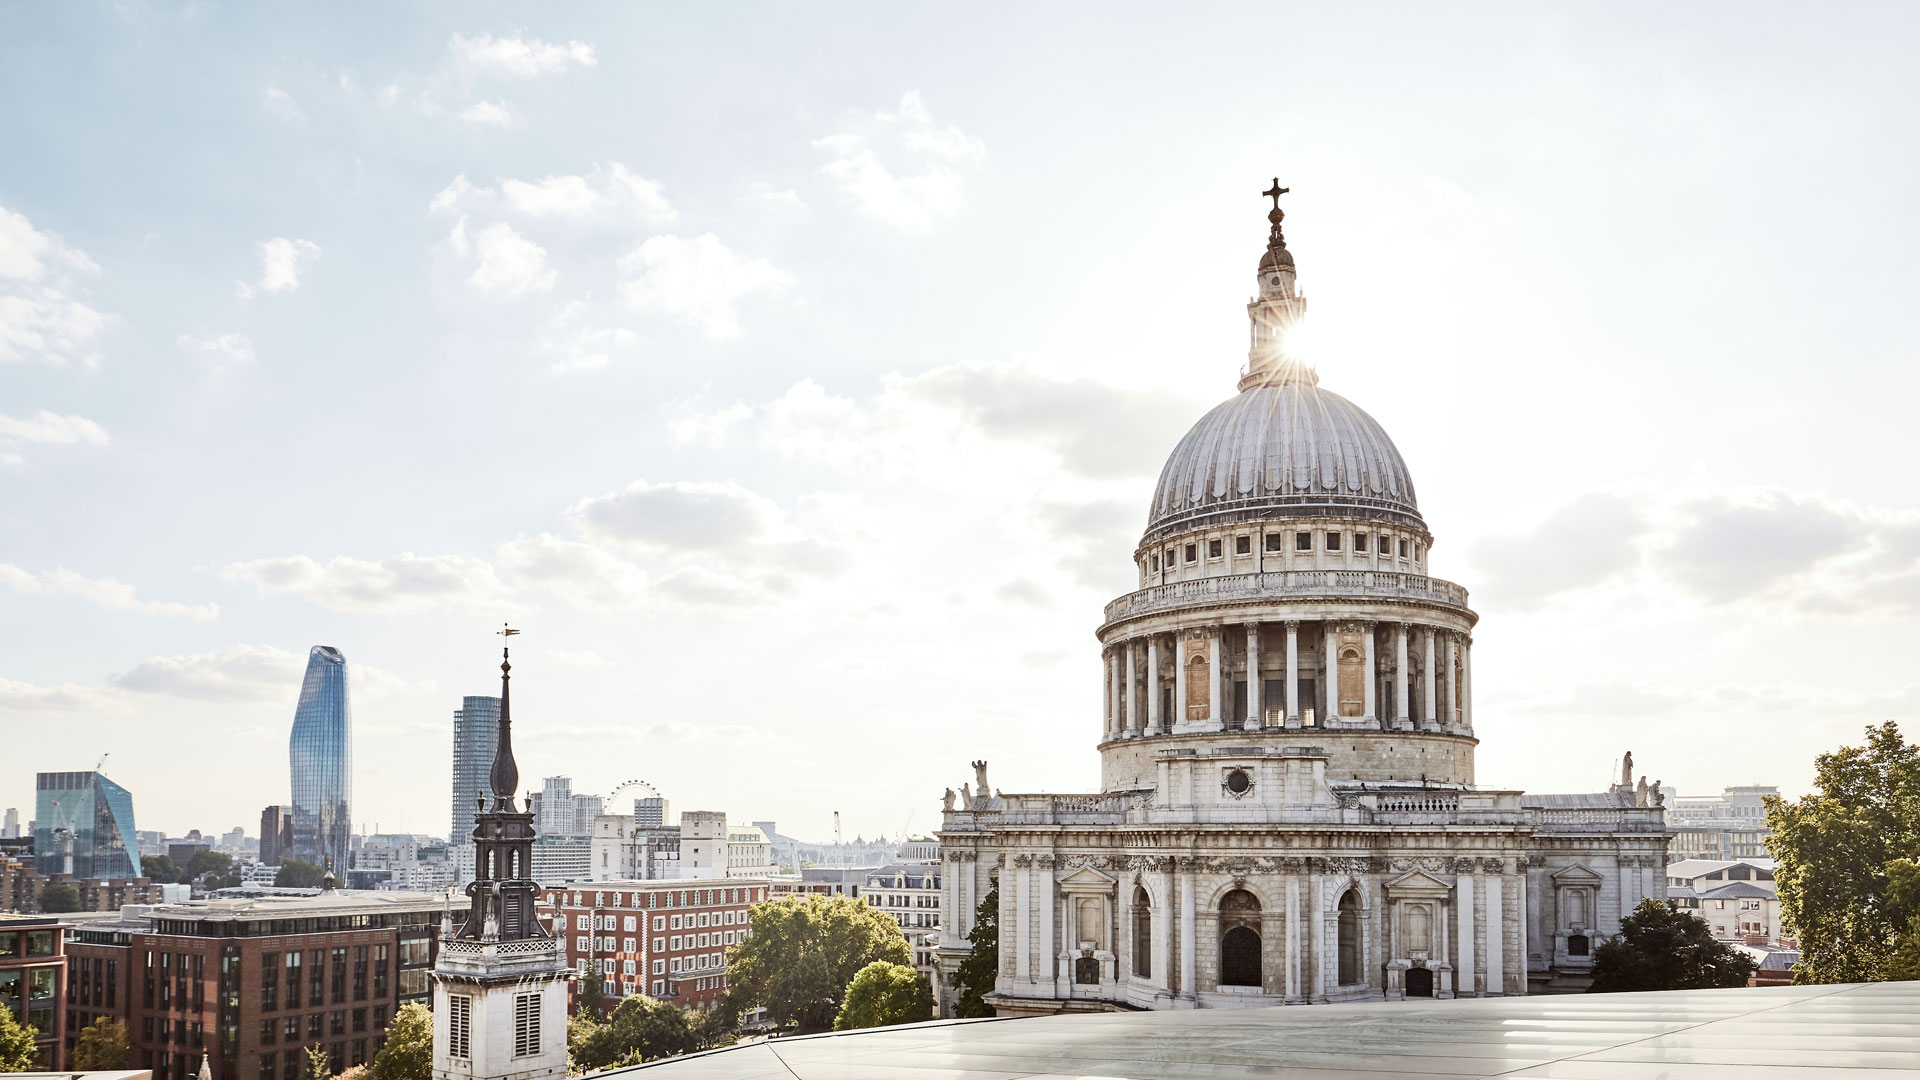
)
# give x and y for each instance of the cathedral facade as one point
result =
(1288, 809)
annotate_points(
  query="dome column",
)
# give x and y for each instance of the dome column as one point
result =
(1402, 712)
(1330, 660)
(1466, 683)
(1113, 693)
(1216, 642)
(1256, 712)
(1371, 709)
(1153, 684)
(1293, 674)
(1179, 682)
(1452, 717)
(1133, 695)
(1431, 705)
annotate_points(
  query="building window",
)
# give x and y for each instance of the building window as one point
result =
(1303, 541)
(526, 1025)
(1359, 543)
(459, 1026)
(1403, 549)
(1386, 545)
(1153, 563)
(1213, 549)
(1193, 553)
(1274, 541)
(1333, 540)
(1243, 545)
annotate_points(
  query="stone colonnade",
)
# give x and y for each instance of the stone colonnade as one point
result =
(1134, 678)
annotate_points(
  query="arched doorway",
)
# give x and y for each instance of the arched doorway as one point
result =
(1349, 939)
(1419, 982)
(1239, 939)
(1142, 934)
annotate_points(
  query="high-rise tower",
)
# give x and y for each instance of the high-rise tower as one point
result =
(320, 756)
(476, 736)
(500, 984)
(83, 825)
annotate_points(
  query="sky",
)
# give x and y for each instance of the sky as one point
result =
(795, 378)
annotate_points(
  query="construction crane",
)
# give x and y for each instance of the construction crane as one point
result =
(102, 763)
(836, 828)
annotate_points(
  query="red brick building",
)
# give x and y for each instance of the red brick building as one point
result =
(33, 965)
(253, 983)
(665, 939)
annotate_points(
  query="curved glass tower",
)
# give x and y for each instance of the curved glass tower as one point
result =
(321, 755)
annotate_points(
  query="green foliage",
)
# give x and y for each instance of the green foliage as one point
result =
(882, 994)
(408, 1053)
(300, 874)
(317, 1067)
(16, 1044)
(208, 862)
(1661, 948)
(162, 868)
(590, 998)
(805, 950)
(58, 897)
(978, 971)
(640, 1029)
(103, 1046)
(1849, 889)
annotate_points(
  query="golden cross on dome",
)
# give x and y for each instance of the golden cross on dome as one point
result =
(1275, 192)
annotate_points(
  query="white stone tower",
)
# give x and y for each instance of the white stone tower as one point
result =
(500, 986)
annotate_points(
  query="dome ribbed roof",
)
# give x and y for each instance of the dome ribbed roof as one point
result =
(1283, 446)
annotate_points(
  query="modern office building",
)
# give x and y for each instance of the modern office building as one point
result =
(276, 834)
(650, 812)
(33, 975)
(320, 754)
(476, 735)
(10, 827)
(85, 816)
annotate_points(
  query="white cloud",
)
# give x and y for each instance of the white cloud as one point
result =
(517, 57)
(282, 103)
(493, 114)
(1583, 543)
(1729, 551)
(103, 592)
(251, 673)
(508, 262)
(697, 282)
(42, 318)
(677, 515)
(403, 584)
(282, 261)
(61, 697)
(607, 189)
(50, 428)
(906, 200)
(582, 347)
(561, 195)
(229, 349)
(581, 574)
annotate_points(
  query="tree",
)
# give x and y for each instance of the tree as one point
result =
(161, 868)
(208, 862)
(640, 1029)
(300, 874)
(408, 1052)
(1663, 948)
(590, 998)
(103, 1047)
(16, 1044)
(803, 952)
(882, 994)
(59, 896)
(977, 972)
(317, 1066)
(1840, 853)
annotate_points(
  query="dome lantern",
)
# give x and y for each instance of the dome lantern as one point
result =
(1274, 309)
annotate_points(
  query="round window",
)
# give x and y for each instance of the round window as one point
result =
(1239, 782)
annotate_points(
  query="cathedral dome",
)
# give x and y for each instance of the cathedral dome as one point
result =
(1286, 446)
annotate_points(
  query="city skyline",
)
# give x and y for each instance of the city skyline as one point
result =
(387, 337)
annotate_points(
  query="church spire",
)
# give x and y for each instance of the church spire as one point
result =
(1275, 309)
(505, 777)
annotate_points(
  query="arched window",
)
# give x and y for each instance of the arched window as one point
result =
(1349, 939)
(1142, 934)
(1239, 939)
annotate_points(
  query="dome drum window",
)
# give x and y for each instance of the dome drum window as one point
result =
(1303, 541)
(1193, 553)
(1237, 783)
(1333, 540)
(1243, 545)
(1213, 549)
(1276, 541)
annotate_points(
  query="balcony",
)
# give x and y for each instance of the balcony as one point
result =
(1291, 585)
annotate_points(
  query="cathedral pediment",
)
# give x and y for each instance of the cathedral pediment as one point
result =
(1417, 882)
(1087, 879)
(1575, 875)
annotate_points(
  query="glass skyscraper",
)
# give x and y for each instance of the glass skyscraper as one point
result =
(321, 756)
(98, 814)
(476, 735)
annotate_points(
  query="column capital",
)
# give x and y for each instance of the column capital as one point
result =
(1293, 626)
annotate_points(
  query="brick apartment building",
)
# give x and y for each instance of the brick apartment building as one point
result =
(33, 965)
(253, 983)
(665, 939)
(21, 885)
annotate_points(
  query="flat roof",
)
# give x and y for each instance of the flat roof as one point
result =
(338, 902)
(1843, 1032)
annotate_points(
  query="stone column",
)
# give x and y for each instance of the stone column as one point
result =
(1179, 682)
(1293, 936)
(1153, 684)
(1463, 967)
(1626, 903)
(1256, 710)
(1045, 918)
(1466, 683)
(1371, 710)
(1496, 931)
(1293, 674)
(1189, 967)
(1022, 919)
(1431, 707)
(1449, 718)
(1113, 692)
(1317, 936)
(1216, 644)
(1330, 654)
(1520, 908)
(1163, 941)
(1133, 695)
(1402, 714)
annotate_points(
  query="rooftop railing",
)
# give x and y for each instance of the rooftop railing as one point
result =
(1290, 585)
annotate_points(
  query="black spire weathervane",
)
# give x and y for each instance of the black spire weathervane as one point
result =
(505, 777)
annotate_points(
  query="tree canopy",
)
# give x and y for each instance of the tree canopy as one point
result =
(408, 1052)
(103, 1046)
(300, 874)
(977, 972)
(640, 1029)
(882, 993)
(161, 868)
(1661, 948)
(805, 950)
(16, 1044)
(58, 897)
(1844, 851)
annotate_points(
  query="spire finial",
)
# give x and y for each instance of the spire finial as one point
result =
(1275, 192)
(505, 776)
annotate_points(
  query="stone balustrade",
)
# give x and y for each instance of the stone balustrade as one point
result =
(1650, 819)
(1290, 585)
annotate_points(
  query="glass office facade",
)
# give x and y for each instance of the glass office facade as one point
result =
(476, 735)
(98, 814)
(321, 756)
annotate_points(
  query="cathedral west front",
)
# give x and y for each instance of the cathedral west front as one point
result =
(1289, 811)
